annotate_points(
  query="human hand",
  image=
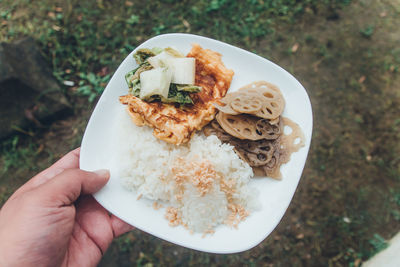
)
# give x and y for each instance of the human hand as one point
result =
(52, 220)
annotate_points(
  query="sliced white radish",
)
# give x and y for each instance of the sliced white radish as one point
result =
(160, 60)
(155, 82)
(183, 70)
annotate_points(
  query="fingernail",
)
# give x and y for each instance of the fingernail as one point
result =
(103, 173)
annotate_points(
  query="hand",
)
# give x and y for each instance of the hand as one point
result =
(52, 220)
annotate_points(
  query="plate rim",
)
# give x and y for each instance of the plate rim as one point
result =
(246, 245)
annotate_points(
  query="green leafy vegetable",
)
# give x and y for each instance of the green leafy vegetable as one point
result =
(173, 52)
(142, 54)
(133, 78)
(143, 67)
(174, 96)
(129, 77)
(181, 97)
(135, 89)
(188, 88)
(177, 93)
(157, 50)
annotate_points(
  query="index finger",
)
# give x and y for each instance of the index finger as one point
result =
(69, 161)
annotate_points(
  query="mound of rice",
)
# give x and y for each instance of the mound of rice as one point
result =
(202, 184)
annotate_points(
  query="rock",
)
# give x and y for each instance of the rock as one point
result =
(29, 94)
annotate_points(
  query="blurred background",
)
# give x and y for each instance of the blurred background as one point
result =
(57, 57)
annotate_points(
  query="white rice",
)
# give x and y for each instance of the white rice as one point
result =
(146, 165)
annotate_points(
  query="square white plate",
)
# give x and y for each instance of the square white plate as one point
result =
(275, 196)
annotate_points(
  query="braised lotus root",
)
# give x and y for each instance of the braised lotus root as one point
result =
(250, 120)
(262, 145)
(274, 121)
(289, 141)
(208, 130)
(268, 130)
(260, 98)
(247, 103)
(274, 102)
(261, 86)
(215, 129)
(264, 156)
(284, 147)
(272, 168)
(242, 126)
(256, 153)
(237, 126)
(240, 102)
(225, 104)
(216, 126)
(254, 159)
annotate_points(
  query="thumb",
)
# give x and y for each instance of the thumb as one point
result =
(65, 188)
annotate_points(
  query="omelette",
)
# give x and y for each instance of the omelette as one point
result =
(176, 123)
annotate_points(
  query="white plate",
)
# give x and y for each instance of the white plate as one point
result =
(275, 196)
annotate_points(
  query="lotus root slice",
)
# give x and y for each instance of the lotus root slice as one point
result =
(247, 103)
(267, 130)
(274, 102)
(224, 104)
(289, 142)
(241, 126)
(221, 134)
(255, 153)
(255, 159)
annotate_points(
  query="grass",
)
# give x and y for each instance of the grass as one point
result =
(368, 31)
(79, 44)
(347, 203)
(92, 85)
(16, 156)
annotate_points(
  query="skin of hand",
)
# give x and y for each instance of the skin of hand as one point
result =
(52, 220)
